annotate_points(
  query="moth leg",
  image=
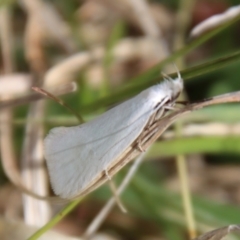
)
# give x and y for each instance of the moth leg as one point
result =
(140, 140)
(139, 145)
(159, 114)
(151, 120)
(184, 103)
(170, 108)
(107, 175)
(114, 192)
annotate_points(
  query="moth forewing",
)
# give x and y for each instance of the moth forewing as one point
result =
(77, 157)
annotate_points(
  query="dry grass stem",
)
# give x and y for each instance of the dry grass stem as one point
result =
(148, 24)
(215, 21)
(58, 91)
(101, 216)
(66, 70)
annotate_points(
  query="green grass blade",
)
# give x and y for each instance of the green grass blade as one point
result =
(190, 145)
(130, 90)
(55, 219)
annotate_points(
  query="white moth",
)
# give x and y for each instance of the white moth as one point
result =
(79, 158)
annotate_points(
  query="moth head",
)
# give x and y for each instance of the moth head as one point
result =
(167, 91)
(172, 87)
(177, 86)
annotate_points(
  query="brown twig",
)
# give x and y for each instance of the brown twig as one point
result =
(63, 89)
(57, 100)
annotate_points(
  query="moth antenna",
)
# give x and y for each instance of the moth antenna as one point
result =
(169, 78)
(166, 76)
(177, 70)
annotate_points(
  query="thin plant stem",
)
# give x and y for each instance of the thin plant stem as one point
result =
(55, 220)
(59, 101)
(183, 21)
(101, 216)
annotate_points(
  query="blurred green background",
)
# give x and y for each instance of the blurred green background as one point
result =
(125, 59)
